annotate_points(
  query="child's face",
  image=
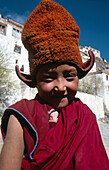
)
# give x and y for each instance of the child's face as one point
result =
(57, 84)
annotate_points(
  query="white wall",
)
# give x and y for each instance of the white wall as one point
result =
(7, 43)
(95, 103)
(104, 91)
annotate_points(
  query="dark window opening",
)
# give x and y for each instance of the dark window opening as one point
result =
(2, 29)
(16, 33)
(16, 61)
(17, 49)
(106, 77)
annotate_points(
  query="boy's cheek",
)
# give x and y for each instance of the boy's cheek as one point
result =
(44, 89)
(46, 86)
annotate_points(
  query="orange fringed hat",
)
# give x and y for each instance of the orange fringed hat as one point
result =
(51, 34)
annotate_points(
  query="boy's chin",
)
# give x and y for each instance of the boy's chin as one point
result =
(60, 105)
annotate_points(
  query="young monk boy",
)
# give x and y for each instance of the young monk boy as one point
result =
(55, 130)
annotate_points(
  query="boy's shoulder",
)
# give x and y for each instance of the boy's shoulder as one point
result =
(27, 103)
(23, 103)
(84, 108)
(25, 106)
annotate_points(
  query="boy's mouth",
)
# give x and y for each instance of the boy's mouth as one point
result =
(60, 96)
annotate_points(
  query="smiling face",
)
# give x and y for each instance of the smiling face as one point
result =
(57, 84)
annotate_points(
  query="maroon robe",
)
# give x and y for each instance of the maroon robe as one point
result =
(73, 143)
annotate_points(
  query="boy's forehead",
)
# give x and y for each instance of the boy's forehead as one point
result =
(56, 66)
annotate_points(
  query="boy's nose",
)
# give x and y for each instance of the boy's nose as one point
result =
(60, 86)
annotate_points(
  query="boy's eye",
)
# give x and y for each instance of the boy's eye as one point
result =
(70, 77)
(47, 78)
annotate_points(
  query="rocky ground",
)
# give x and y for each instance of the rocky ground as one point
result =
(104, 129)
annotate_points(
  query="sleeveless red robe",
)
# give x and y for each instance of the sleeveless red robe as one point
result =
(73, 143)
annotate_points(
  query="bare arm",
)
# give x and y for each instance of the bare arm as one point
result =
(13, 148)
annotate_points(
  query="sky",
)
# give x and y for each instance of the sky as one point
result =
(92, 16)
